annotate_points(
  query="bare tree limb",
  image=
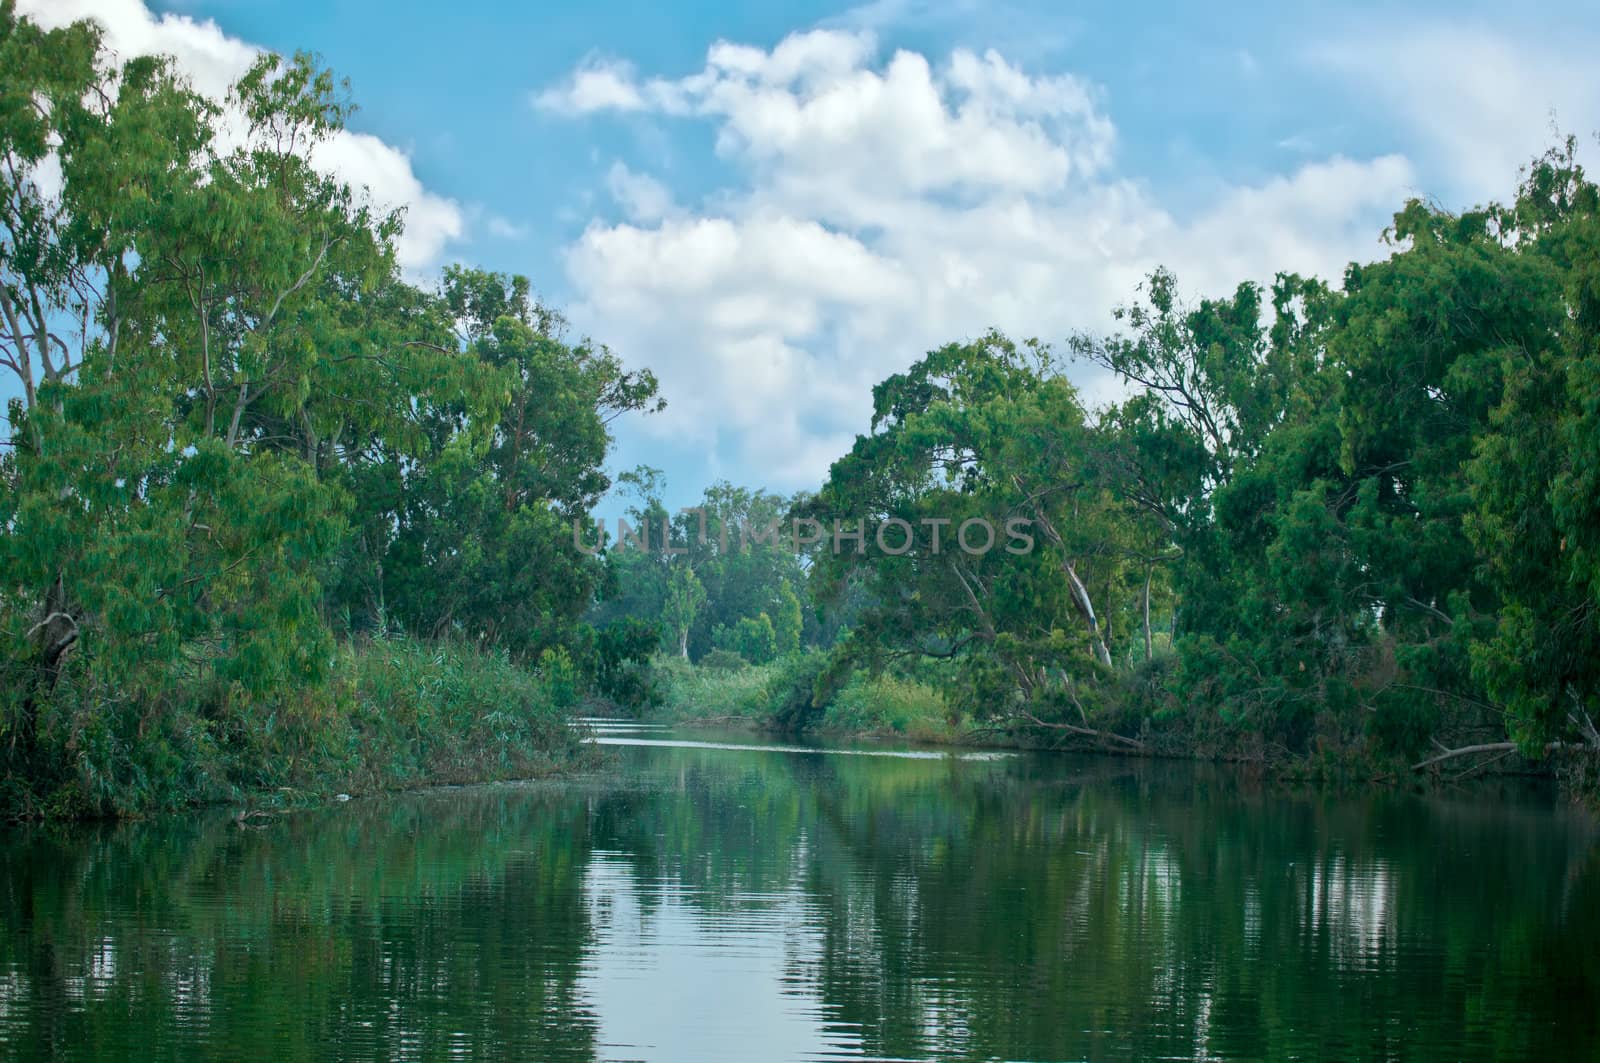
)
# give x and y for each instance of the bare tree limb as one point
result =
(1465, 751)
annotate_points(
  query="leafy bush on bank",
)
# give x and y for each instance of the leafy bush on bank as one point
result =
(397, 713)
(781, 696)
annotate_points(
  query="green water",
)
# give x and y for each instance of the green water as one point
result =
(701, 903)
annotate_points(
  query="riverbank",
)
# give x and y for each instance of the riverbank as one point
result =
(772, 699)
(395, 714)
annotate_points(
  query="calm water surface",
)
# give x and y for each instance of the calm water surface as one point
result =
(733, 900)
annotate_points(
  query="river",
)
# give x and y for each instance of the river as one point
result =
(728, 898)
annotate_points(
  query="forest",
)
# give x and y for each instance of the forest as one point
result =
(281, 520)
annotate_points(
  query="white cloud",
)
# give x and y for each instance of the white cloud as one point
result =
(889, 205)
(816, 113)
(212, 60)
(641, 197)
(433, 222)
(1478, 101)
(597, 86)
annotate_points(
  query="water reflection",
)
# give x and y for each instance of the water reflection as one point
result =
(703, 902)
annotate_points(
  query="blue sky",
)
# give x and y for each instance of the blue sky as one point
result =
(775, 206)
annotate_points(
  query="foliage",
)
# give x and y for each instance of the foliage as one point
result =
(752, 638)
(697, 693)
(710, 572)
(888, 704)
(397, 713)
(243, 433)
(723, 661)
(1361, 522)
(685, 595)
(1345, 524)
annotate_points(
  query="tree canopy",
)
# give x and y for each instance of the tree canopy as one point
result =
(241, 431)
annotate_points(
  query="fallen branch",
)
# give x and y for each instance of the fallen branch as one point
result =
(1086, 731)
(1465, 751)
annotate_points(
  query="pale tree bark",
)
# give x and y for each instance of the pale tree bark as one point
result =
(1080, 593)
(1465, 751)
(238, 412)
(1087, 732)
(57, 632)
(1149, 646)
(23, 363)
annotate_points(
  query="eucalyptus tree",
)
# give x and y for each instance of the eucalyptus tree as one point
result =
(482, 533)
(236, 415)
(1534, 476)
(983, 435)
(736, 544)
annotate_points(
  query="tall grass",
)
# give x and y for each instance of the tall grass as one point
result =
(398, 713)
(771, 695)
(699, 695)
(890, 705)
(423, 713)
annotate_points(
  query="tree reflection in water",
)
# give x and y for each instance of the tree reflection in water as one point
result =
(741, 904)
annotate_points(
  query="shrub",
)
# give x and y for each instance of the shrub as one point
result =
(693, 693)
(723, 661)
(752, 638)
(791, 692)
(889, 704)
(397, 713)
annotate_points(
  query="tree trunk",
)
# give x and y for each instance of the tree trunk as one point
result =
(238, 412)
(23, 366)
(1080, 594)
(1149, 648)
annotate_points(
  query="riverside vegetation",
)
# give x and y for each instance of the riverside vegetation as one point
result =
(275, 519)
(1351, 531)
(278, 519)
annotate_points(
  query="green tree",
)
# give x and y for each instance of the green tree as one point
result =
(787, 621)
(685, 596)
(1534, 477)
(984, 432)
(752, 638)
(236, 418)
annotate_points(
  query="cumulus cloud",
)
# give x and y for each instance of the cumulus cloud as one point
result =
(212, 60)
(641, 197)
(815, 111)
(885, 205)
(597, 86)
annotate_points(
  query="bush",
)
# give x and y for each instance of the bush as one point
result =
(889, 704)
(793, 695)
(752, 638)
(791, 692)
(723, 661)
(447, 713)
(713, 694)
(619, 659)
(397, 713)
